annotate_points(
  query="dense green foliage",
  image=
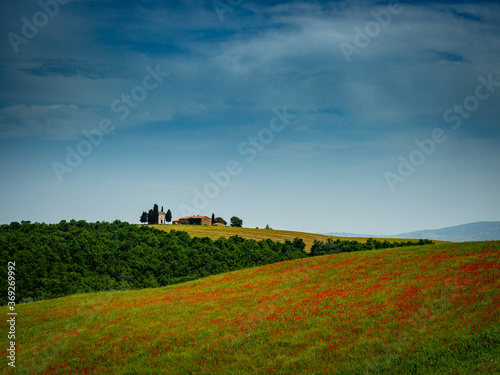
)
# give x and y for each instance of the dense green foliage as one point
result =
(236, 222)
(153, 215)
(54, 260)
(338, 246)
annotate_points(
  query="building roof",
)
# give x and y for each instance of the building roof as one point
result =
(192, 217)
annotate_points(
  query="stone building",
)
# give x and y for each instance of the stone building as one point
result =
(193, 220)
(161, 217)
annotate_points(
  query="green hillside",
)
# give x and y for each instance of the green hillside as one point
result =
(421, 310)
(56, 260)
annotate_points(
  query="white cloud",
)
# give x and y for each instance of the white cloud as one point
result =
(49, 122)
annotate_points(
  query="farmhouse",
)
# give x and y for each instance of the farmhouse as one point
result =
(193, 220)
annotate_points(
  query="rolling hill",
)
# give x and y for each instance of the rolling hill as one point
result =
(480, 231)
(214, 232)
(423, 310)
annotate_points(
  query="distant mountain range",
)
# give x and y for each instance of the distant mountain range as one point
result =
(481, 231)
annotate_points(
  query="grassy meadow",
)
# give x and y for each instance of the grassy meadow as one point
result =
(423, 310)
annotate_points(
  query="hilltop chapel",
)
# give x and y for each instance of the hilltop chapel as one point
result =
(161, 216)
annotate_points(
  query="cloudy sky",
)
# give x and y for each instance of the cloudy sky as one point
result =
(344, 116)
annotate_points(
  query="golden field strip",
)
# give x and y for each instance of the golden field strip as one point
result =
(215, 232)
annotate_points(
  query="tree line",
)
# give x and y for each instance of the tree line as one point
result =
(54, 260)
(339, 246)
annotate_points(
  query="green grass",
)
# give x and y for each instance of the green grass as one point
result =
(421, 310)
(478, 353)
(215, 232)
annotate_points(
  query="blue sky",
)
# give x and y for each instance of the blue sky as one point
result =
(316, 108)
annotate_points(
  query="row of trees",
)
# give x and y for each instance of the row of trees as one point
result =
(338, 246)
(54, 260)
(151, 217)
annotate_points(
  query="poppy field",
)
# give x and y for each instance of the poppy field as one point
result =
(431, 309)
